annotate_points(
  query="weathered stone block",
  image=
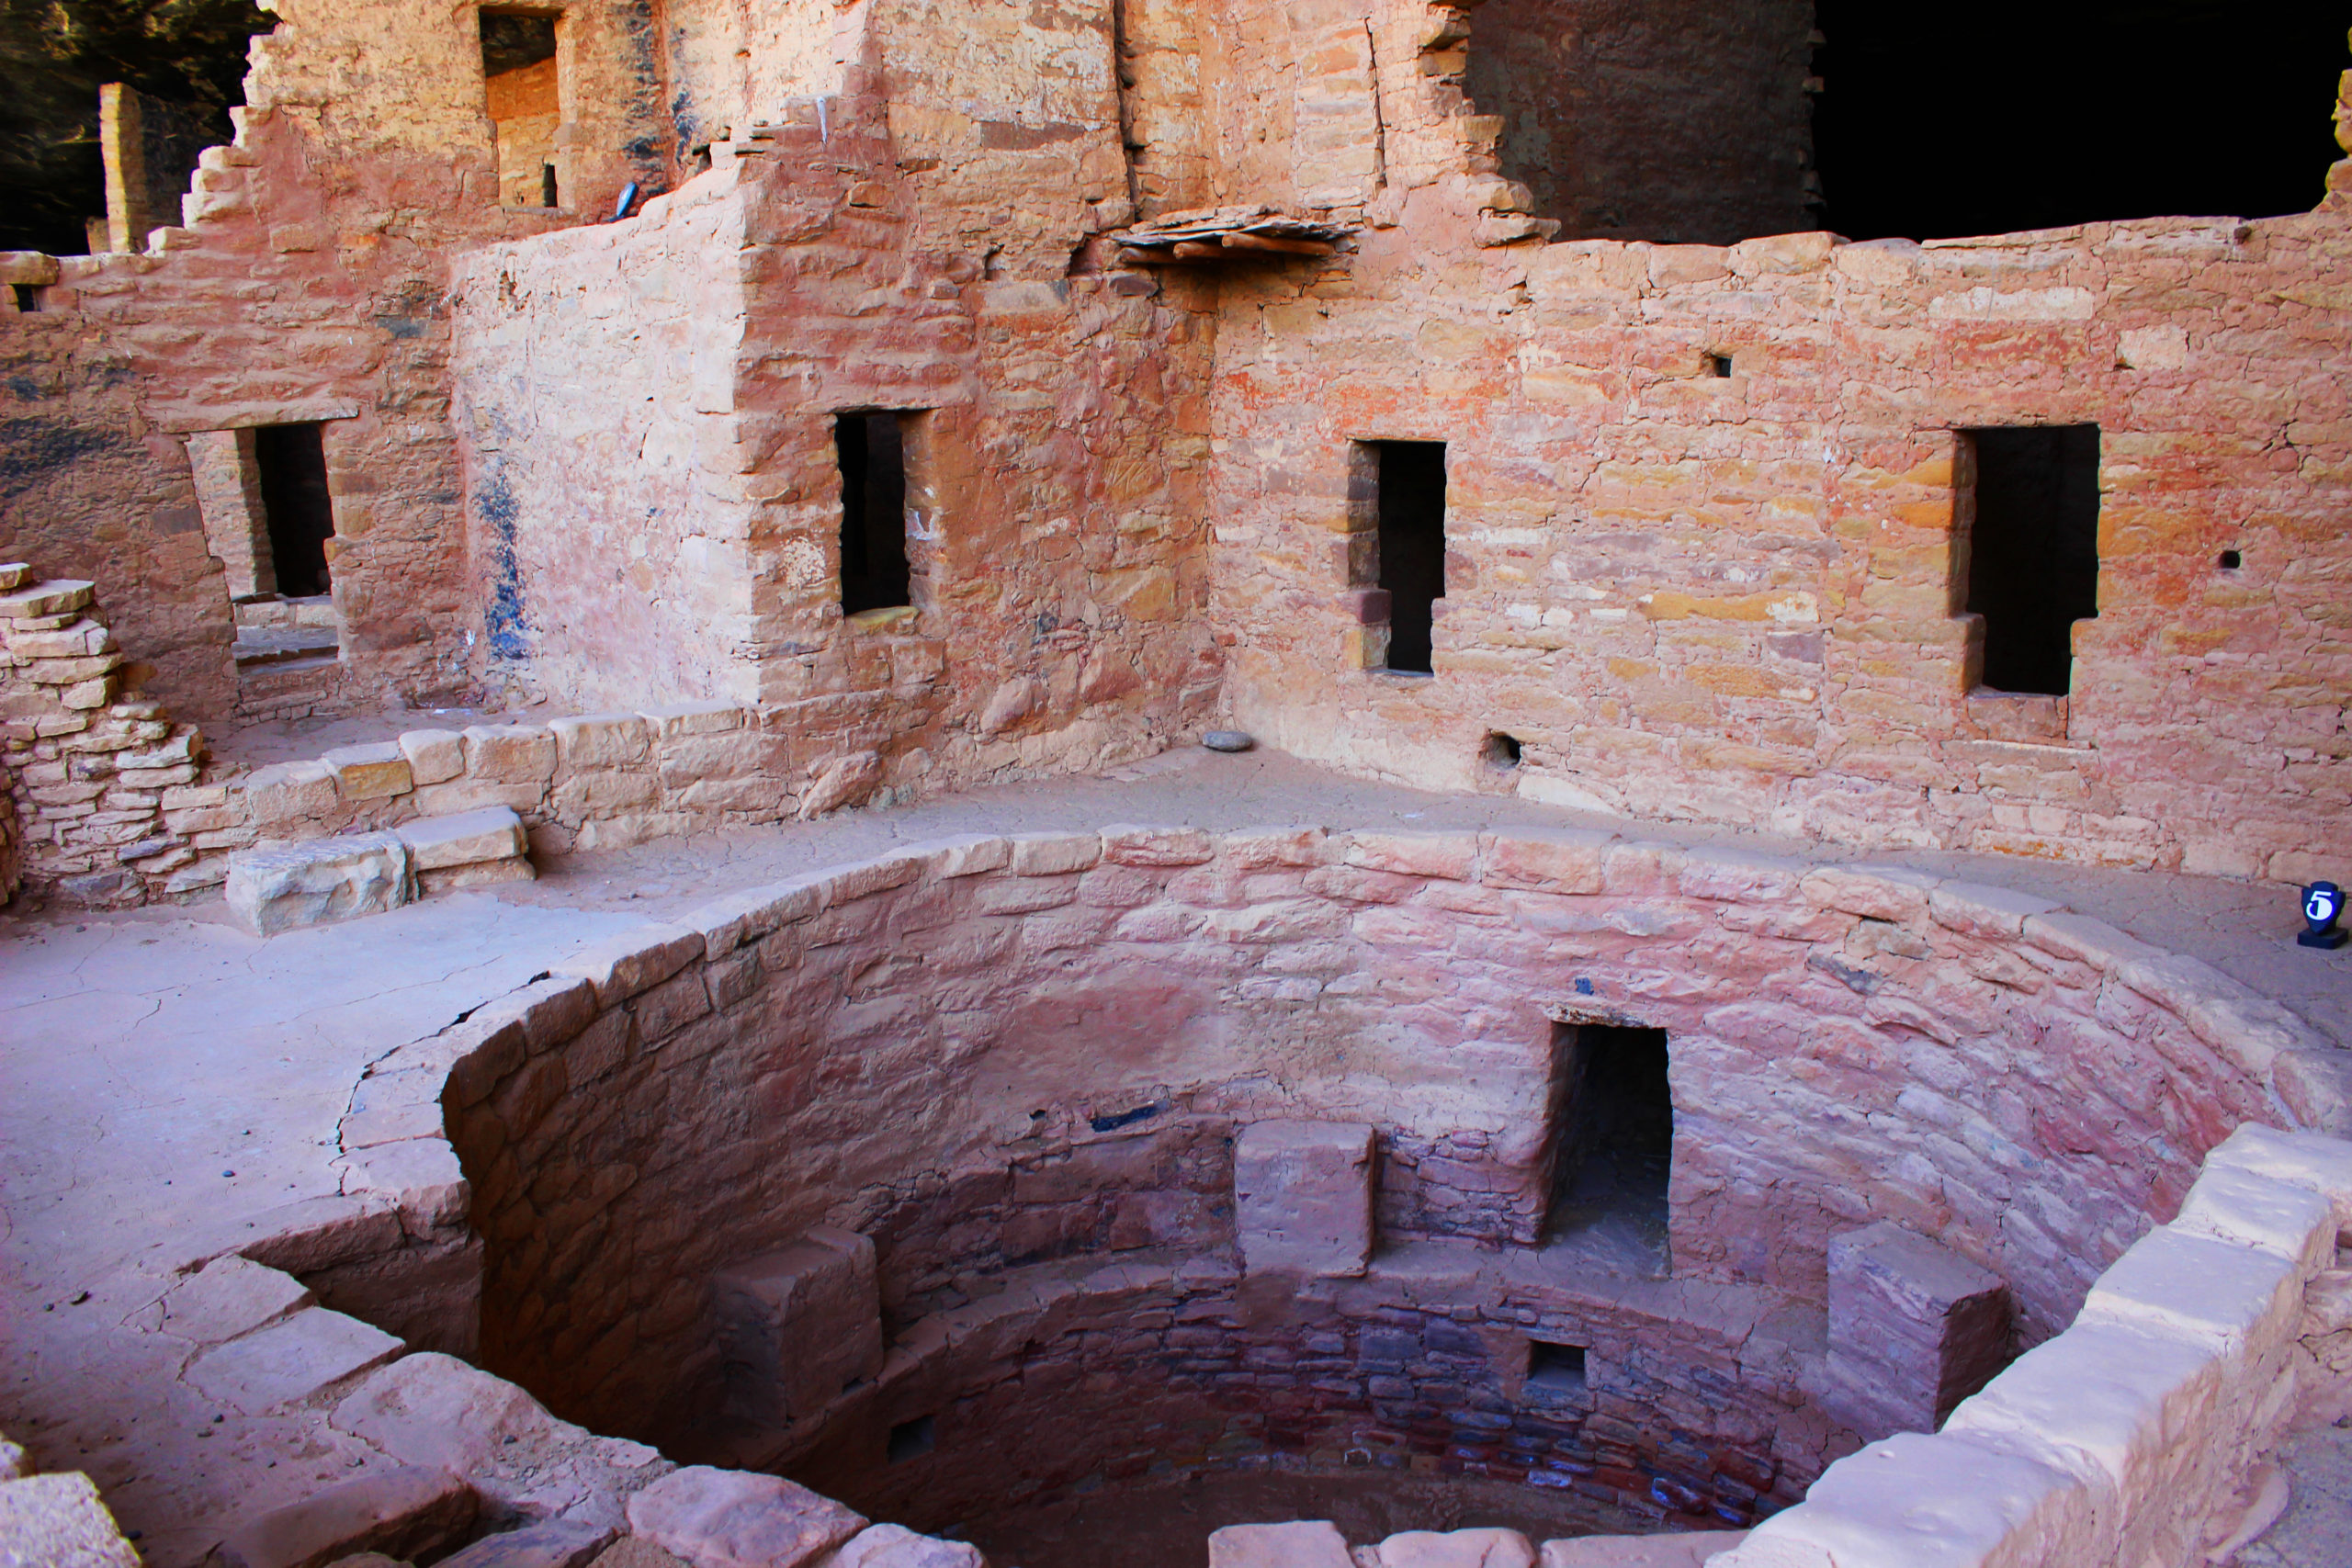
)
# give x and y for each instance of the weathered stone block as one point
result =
(510, 753)
(621, 966)
(420, 1175)
(1456, 1549)
(895, 1546)
(601, 740)
(466, 837)
(57, 1521)
(1302, 1543)
(403, 1512)
(1302, 1194)
(291, 791)
(435, 756)
(327, 879)
(799, 1326)
(1685, 1549)
(482, 874)
(368, 773)
(725, 1519)
(1913, 1330)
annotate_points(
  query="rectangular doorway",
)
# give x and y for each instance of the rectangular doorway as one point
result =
(1410, 516)
(524, 97)
(2032, 550)
(268, 514)
(1611, 1142)
(872, 448)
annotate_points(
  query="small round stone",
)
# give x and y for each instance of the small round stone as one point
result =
(1226, 741)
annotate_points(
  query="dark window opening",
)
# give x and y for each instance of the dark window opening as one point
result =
(290, 461)
(1684, 124)
(1501, 752)
(1719, 366)
(912, 1439)
(874, 574)
(1411, 541)
(2012, 104)
(525, 99)
(1612, 1137)
(1555, 1368)
(2032, 550)
(27, 297)
(2232, 560)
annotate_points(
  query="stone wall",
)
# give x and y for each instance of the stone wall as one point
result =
(1683, 124)
(1736, 597)
(306, 284)
(610, 523)
(914, 1048)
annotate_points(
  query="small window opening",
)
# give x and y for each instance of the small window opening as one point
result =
(2032, 550)
(1555, 1368)
(27, 297)
(1611, 1141)
(874, 575)
(2232, 560)
(291, 463)
(912, 1439)
(524, 102)
(1500, 752)
(702, 159)
(1719, 366)
(1411, 541)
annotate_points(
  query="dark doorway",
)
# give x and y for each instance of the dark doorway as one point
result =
(1612, 1136)
(2033, 550)
(874, 512)
(1944, 119)
(524, 94)
(290, 462)
(1412, 546)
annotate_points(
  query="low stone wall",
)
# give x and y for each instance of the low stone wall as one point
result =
(2122, 1439)
(992, 1054)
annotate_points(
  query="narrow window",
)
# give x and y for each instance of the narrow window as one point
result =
(1555, 1368)
(873, 510)
(290, 462)
(2033, 550)
(27, 297)
(1412, 546)
(524, 102)
(912, 1439)
(1612, 1139)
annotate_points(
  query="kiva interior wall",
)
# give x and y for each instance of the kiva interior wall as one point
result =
(920, 1047)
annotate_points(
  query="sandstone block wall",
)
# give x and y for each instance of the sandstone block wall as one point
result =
(942, 1048)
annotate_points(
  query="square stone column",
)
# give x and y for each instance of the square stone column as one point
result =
(1303, 1195)
(799, 1326)
(1913, 1330)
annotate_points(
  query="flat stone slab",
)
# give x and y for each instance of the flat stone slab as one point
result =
(1457, 1549)
(232, 1296)
(463, 838)
(557, 1543)
(401, 1513)
(1686, 1549)
(304, 1354)
(726, 1518)
(286, 888)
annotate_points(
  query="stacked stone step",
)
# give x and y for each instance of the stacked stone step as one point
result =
(282, 887)
(90, 767)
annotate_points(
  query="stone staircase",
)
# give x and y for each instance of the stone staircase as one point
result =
(285, 886)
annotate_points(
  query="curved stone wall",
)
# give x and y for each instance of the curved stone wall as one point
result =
(1010, 1059)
